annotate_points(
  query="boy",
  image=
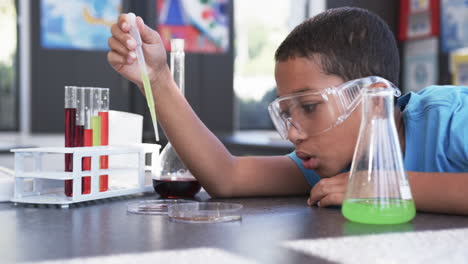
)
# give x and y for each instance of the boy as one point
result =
(334, 47)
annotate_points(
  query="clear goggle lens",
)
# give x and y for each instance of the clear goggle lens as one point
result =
(314, 113)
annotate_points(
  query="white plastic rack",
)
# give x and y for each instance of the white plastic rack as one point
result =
(42, 192)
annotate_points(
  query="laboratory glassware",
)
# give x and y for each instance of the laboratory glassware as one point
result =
(174, 179)
(378, 191)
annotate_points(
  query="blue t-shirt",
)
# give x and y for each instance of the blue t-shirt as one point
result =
(436, 131)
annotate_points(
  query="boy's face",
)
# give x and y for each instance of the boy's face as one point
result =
(332, 151)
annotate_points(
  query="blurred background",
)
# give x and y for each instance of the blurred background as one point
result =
(230, 45)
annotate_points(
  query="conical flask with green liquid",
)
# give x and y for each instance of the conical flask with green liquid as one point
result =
(378, 190)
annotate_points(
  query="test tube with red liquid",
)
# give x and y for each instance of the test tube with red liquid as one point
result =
(87, 138)
(70, 121)
(78, 132)
(104, 115)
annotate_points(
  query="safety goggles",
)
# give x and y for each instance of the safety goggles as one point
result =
(314, 113)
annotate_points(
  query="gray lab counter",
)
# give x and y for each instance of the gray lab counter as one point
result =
(99, 230)
(104, 228)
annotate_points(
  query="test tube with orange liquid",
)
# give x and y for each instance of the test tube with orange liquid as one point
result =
(104, 114)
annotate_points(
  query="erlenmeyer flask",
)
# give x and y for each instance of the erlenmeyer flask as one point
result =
(174, 180)
(378, 190)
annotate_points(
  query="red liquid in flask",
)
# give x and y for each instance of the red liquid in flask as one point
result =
(70, 122)
(78, 142)
(86, 181)
(177, 188)
(104, 179)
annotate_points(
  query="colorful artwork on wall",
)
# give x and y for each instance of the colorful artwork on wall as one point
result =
(77, 24)
(204, 24)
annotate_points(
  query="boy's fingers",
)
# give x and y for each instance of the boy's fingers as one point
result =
(334, 186)
(316, 193)
(147, 34)
(313, 197)
(118, 47)
(322, 193)
(123, 23)
(123, 37)
(116, 60)
(331, 199)
(321, 190)
(340, 178)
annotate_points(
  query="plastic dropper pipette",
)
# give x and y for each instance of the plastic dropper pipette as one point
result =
(144, 73)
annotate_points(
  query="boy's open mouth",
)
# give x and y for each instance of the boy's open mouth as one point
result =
(309, 162)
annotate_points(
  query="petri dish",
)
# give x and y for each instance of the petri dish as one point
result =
(205, 212)
(154, 207)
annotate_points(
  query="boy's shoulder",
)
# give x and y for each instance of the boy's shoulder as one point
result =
(435, 127)
(447, 97)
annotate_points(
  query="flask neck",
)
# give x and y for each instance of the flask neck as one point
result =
(378, 103)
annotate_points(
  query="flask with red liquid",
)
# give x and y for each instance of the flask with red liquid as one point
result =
(174, 180)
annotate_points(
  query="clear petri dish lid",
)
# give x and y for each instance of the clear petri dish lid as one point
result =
(154, 207)
(205, 212)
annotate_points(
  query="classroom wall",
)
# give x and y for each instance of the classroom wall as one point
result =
(389, 12)
(209, 80)
(52, 69)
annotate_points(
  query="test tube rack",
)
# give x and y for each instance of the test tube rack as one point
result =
(41, 194)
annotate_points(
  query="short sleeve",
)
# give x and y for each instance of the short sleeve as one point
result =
(457, 151)
(436, 129)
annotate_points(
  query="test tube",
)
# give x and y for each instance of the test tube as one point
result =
(78, 130)
(96, 119)
(70, 121)
(104, 115)
(80, 117)
(87, 137)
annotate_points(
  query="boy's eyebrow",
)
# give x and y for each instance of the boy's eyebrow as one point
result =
(301, 91)
(306, 90)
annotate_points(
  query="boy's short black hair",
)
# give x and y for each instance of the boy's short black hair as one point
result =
(348, 42)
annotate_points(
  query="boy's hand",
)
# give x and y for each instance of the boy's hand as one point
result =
(122, 54)
(329, 191)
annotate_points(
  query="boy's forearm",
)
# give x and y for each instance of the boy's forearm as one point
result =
(200, 150)
(440, 192)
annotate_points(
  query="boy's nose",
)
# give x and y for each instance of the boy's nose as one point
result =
(295, 133)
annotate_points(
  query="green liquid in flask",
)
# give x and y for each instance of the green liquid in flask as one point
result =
(379, 211)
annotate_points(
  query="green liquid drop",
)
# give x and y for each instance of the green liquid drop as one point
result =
(379, 211)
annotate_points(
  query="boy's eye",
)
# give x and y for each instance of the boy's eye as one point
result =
(309, 107)
(285, 114)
